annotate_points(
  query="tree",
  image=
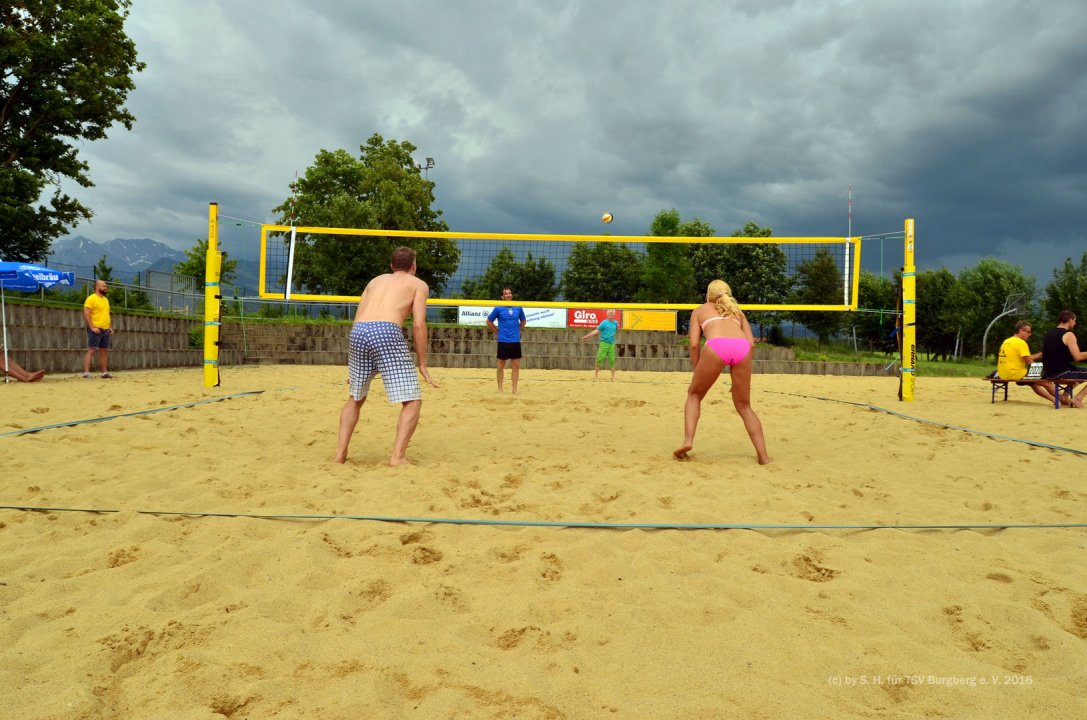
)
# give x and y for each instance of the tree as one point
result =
(601, 272)
(102, 271)
(66, 70)
(1068, 290)
(757, 274)
(137, 299)
(979, 296)
(938, 322)
(667, 273)
(819, 283)
(534, 279)
(195, 264)
(381, 189)
(875, 322)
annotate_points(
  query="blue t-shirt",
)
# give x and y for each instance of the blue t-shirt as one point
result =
(607, 330)
(508, 320)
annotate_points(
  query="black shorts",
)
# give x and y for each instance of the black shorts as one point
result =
(509, 351)
(1073, 374)
(98, 340)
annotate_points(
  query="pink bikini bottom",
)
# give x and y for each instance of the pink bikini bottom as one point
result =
(732, 351)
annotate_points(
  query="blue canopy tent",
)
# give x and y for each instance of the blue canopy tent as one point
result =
(26, 277)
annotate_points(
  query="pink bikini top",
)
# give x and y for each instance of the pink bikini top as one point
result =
(708, 320)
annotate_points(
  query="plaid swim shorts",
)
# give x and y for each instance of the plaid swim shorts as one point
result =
(380, 347)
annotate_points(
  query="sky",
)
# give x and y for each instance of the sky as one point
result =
(969, 116)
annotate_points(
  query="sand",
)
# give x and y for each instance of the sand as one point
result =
(136, 615)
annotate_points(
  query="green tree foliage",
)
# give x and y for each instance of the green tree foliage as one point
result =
(1068, 290)
(536, 279)
(381, 189)
(819, 282)
(979, 296)
(102, 271)
(713, 262)
(271, 311)
(66, 70)
(533, 279)
(195, 264)
(137, 299)
(875, 323)
(938, 321)
(757, 274)
(667, 273)
(601, 272)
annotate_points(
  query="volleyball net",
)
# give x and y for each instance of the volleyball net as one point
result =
(786, 274)
(568, 271)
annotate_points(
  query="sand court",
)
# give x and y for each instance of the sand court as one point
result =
(131, 614)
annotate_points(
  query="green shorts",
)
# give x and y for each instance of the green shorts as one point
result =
(605, 354)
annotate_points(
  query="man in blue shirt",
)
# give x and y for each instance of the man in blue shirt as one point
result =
(511, 320)
(605, 354)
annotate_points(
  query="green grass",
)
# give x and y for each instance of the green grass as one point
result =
(968, 367)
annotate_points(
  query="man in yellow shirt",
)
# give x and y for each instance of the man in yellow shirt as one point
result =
(99, 329)
(1015, 357)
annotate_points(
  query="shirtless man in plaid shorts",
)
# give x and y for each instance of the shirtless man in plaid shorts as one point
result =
(377, 345)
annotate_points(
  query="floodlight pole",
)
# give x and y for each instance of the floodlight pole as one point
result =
(985, 337)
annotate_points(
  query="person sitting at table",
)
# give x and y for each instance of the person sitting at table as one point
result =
(1014, 359)
(1060, 350)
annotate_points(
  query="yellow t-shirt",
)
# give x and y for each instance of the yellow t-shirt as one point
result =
(99, 311)
(1011, 362)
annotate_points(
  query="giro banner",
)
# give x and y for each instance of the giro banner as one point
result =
(587, 318)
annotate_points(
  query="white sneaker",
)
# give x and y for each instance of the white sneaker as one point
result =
(88, 375)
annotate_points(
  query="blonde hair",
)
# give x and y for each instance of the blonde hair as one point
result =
(720, 294)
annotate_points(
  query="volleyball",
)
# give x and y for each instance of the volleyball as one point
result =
(606, 218)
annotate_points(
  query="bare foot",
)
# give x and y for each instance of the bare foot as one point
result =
(35, 377)
(764, 460)
(397, 461)
(681, 453)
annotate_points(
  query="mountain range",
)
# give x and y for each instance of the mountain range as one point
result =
(129, 256)
(126, 256)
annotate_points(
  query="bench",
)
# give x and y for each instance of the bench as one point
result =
(1064, 387)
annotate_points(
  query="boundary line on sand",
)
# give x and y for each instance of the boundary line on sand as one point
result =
(570, 524)
(27, 431)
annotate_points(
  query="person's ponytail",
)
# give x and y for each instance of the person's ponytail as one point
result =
(720, 294)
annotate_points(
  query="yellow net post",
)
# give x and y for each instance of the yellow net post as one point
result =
(909, 318)
(212, 300)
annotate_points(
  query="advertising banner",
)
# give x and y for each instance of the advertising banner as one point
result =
(587, 318)
(546, 317)
(537, 317)
(473, 315)
(649, 320)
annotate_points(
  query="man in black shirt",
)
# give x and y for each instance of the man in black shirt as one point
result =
(1060, 350)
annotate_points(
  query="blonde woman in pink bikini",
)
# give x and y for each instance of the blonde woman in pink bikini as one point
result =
(728, 342)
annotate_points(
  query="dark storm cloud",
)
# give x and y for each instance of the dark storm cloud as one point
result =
(969, 117)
